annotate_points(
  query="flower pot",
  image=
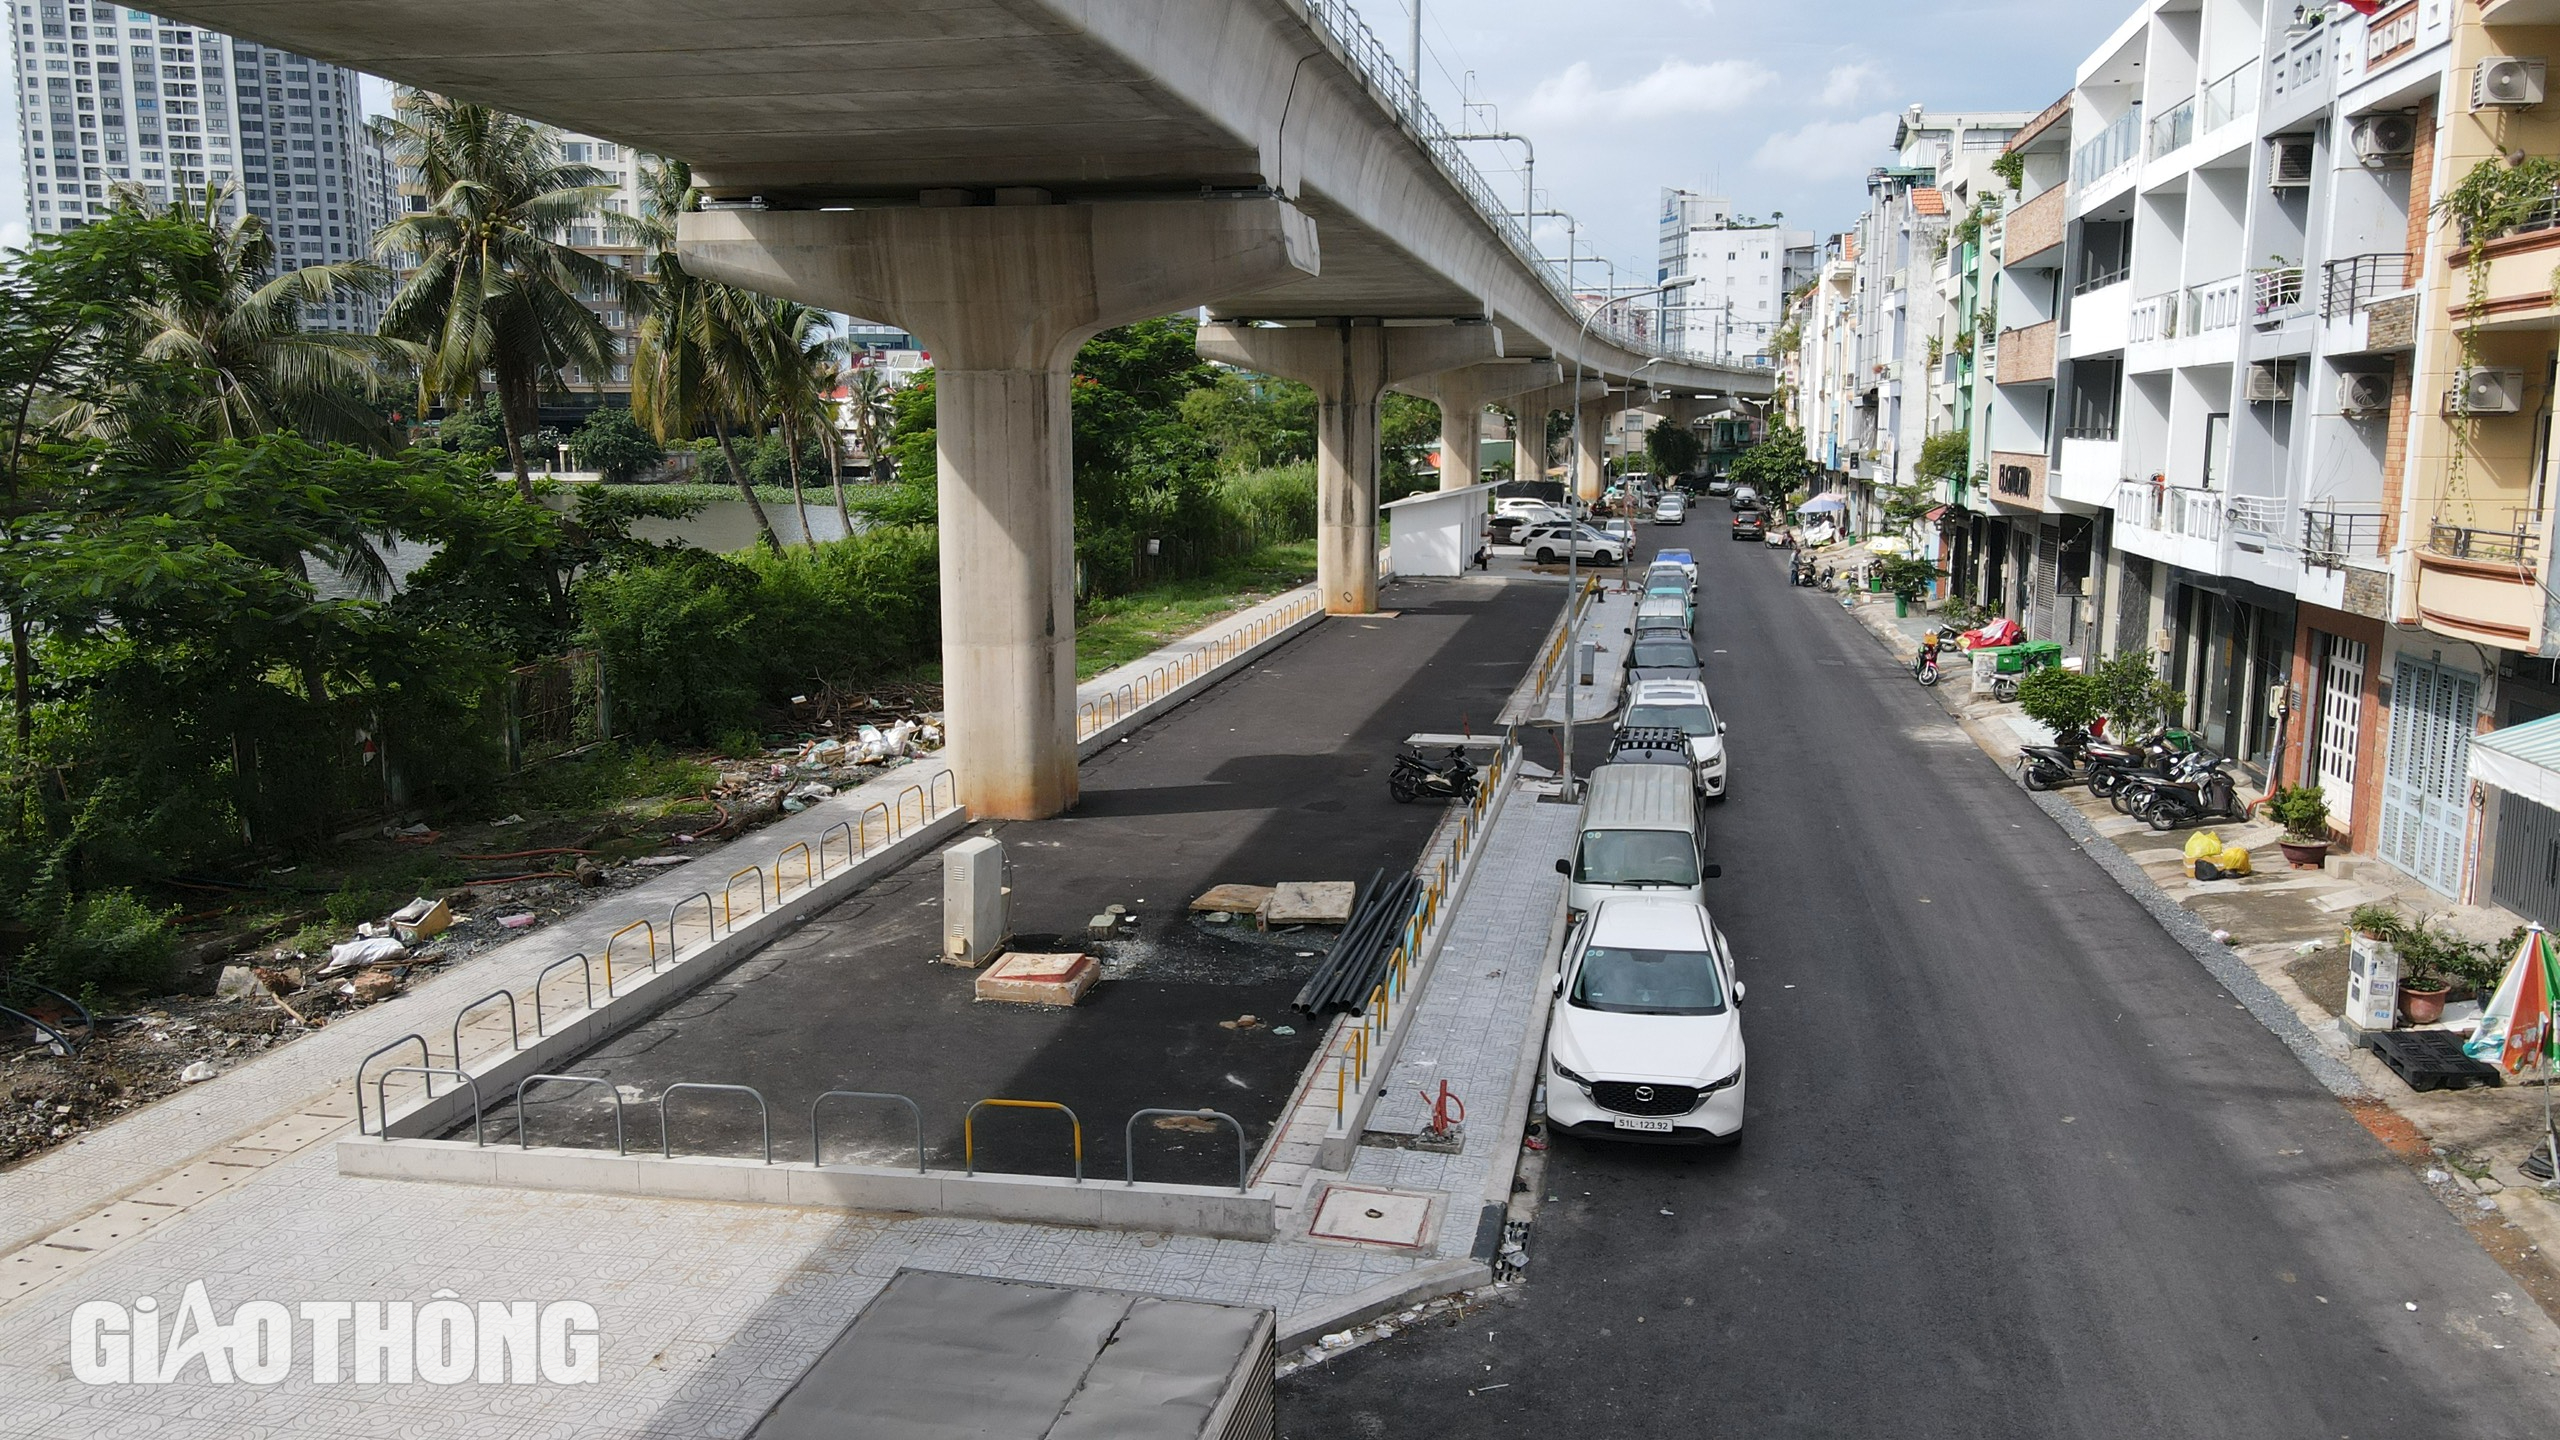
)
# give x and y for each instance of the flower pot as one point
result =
(2423, 1007)
(2304, 857)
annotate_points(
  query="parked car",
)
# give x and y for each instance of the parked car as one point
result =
(1743, 497)
(1505, 529)
(1670, 584)
(1682, 705)
(1670, 510)
(1719, 486)
(1661, 617)
(1655, 656)
(1662, 572)
(1682, 558)
(1618, 528)
(1668, 748)
(1531, 509)
(1548, 544)
(1750, 525)
(1645, 1040)
(1640, 832)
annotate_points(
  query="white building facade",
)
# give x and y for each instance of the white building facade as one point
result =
(1743, 271)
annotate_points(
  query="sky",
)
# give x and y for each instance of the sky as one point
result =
(1782, 105)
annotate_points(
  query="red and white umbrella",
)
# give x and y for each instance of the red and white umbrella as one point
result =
(2516, 1031)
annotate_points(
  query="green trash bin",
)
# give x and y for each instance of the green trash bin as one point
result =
(1901, 607)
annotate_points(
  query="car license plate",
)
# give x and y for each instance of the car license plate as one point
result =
(1639, 1122)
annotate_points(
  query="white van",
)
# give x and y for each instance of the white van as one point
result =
(1639, 836)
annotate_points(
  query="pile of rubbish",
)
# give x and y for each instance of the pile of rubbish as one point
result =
(1358, 963)
(1992, 636)
(791, 778)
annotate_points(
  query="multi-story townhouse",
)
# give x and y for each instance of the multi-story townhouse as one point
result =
(1742, 272)
(112, 97)
(2475, 631)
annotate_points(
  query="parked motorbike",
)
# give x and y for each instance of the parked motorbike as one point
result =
(2050, 767)
(2199, 788)
(1801, 572)
(2122, 774)
(1924, 661)
(1414, 778)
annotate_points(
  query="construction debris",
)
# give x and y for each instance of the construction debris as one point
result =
(1235, 899)
(1310, 902)
(1024, 978)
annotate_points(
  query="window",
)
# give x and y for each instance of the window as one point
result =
(1649, 982)
(1636, 857)
(2217, 445)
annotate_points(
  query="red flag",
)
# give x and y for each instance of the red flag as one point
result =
(2365, 7)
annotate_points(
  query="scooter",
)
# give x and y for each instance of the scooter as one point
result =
(1415, 778)
(2200, 789)
(2050, 767)
(1800, 571)
(2123, 774)
(1924, 662)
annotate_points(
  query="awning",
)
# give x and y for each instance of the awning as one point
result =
(1936, 514)
(1823, 502)
(2523, 760)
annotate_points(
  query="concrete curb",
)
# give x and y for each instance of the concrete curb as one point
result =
(1429, 1282)
(1524, 1080)
(1224, 1214)
(2181, 925)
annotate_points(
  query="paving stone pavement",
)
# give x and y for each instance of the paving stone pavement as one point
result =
(707, 1312)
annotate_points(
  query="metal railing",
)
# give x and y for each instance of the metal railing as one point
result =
(2351, 285)
(2109, 150)
(2214, 305)
(2180, 510)
(1398, 92)
(2173, 128)
(1129, 1141)
(915, 1113)
(2520, 544)
(2262, 515)
(666, 1144)
(2275, 292)
(2333, 535)
(2103, 276)
(969, 1130)
(524, 1140)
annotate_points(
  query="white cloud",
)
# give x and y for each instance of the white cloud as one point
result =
(14, 236)
(1850, 84)
(1829, 149)
(1676, 88)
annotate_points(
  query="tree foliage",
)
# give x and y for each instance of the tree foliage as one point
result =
(1674, 449)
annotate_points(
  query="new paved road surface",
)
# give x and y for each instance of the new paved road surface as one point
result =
(2015, 1164)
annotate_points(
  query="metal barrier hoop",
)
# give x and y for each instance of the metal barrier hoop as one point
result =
(808, 876)
(886, 833)
(815, 1157)
(617, 935)
(525, 1143)
(941, 778)
(1129, 1139)
(851, 846)
(515, 1040)
(586, 965)
(666, 1147)
(969, 1137)
(423, 1058)
(900, 805)
(710, 921)
(382, 1103)
(731, 889)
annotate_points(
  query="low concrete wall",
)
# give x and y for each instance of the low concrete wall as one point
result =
(1030, 1199)
(637, 995)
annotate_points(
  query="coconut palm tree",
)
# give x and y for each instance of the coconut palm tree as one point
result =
(870, 413)
(495, 291)
(798, 381)
(702, 354)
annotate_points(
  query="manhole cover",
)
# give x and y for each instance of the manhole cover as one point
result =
(1372, 1217)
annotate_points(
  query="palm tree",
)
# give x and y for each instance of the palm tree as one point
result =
(701, 360)
(496, 289)
(870, 412)
(798, 381)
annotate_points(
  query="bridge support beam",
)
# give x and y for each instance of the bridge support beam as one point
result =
(1462, 395)
(1349, 364)
(1533, 410)
(1004, 295)
(1590, 450)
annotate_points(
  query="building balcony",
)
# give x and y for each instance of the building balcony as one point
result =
(2177, 523)
(2026, 355)
(2276, 294)
(2034, 231)
(2520, 12)
(2017, 479)
(2518, 292)
(2483, 585)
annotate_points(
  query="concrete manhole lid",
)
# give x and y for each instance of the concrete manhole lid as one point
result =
(1372, 1217)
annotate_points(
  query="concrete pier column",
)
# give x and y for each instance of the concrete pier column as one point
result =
(1004, 295)
(1349, 364)
(1462, 395)
(1590, 456)
(1533, 409)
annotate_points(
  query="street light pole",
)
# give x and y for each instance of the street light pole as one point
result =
(1573, 540)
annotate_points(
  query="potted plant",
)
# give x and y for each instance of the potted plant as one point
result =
(2303, 811)
(2427, 954)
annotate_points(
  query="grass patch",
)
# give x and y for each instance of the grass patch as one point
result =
(1121, 628)
(859, 496)
(604, 777)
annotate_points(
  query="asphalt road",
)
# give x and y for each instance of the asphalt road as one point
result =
(2015, 1165)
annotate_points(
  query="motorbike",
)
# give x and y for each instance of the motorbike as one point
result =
(1801, 572)
(2122, 774)
(1414, 778)
(2199, 788)
(1924, 661)
(2050, 767)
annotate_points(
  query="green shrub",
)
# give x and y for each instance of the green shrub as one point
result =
(680, 640)
(612, 442)
(109, 938)
(2059, 699)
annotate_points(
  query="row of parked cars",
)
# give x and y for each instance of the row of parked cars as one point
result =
(1645, 1039)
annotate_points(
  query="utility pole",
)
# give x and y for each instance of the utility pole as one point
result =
(1416, 52)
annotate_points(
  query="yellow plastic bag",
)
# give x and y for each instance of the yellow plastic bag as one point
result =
(2203, 845)
(2234, 861)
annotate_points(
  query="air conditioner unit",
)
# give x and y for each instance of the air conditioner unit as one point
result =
(2379, 138)
(977, 907)
(2364, 392)
(2270, 382)
(2289, 162)
(2506, 82)
(2486, 392)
